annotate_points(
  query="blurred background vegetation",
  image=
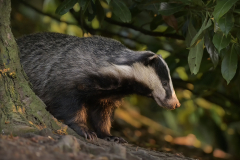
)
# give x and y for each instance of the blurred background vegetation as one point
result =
(207, 125)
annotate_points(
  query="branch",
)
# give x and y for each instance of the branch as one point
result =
(157, 34)
(45, 14)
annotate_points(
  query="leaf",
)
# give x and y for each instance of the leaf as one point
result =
(108, 1)
(171, 21)
(153, 6)
(170, 8)
(65, 6)
(220, 41)
(222, 7)
(226, 23)
(191, 32)
(229, 65)
(211, 50)
(200, 33)
(121, 10)
(195, 57)
(84, 5)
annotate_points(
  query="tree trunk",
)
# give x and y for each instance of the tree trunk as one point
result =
(21, 110)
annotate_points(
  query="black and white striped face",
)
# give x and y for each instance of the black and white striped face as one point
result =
(151, 71)
(163, 92)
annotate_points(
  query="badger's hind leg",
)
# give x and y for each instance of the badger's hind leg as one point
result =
(101, 116)
(68, 107)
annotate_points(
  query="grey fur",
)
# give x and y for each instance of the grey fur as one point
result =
(85, 78)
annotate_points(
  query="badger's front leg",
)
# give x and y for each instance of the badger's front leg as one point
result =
(68, 107)
(79, 124)
(101, 116)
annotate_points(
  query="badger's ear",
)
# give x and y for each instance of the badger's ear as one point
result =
(150, 59)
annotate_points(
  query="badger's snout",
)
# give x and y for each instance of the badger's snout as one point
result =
(171, 103)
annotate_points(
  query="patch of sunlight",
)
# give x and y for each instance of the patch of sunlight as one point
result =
(74, 30)
(182, 73)
(63, 26)
(207, 105)
(76, 7)
(87, 35)
(141, 47)
(190, 86)
(188, 108)
(46, 19)
(130, 115)
(230, 131)
(197, 144)
(133, 100)
(163, 53)
(54, 26)
(187, 94)
(161, 28)
(95, 23)
(223, 126)
(68, 18)
(124, 115)
(49, 6)
(109, 14)
(207, 149)
(199, 75)
(104, 5)
(177, 60)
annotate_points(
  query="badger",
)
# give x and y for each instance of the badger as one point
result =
(82, 80)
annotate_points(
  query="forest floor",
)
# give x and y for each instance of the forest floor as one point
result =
(48, 146)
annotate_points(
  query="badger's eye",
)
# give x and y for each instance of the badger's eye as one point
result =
(164, 83)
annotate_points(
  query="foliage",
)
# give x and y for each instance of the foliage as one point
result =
(199, 40)
(218, 18)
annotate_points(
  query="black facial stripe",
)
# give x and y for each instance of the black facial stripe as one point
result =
(162, 72)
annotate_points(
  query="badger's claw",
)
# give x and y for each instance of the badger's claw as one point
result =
(90, 135)
(85, 132)
(115, 139)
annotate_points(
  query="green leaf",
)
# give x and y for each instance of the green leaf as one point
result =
(220, 41)
(200, 33)
(195, 57)
(229, 64)
(84, 5)
(191, 32)
(167, 9)
(121, 10)
(108, 1)
(213, 53)
(226, 23)
(151, 5)
(222, 7)
(65, 6)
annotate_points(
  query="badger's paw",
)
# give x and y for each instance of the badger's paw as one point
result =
(90, 135)
(115, 139)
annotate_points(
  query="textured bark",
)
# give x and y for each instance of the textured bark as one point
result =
(20, 109)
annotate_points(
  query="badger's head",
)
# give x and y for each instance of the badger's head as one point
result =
(153, 71)
(150, 71)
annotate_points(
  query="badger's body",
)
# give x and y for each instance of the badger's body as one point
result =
(83, 79)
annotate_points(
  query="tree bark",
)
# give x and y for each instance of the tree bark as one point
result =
(21, 110)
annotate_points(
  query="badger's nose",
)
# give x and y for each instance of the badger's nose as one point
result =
(178, 105)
